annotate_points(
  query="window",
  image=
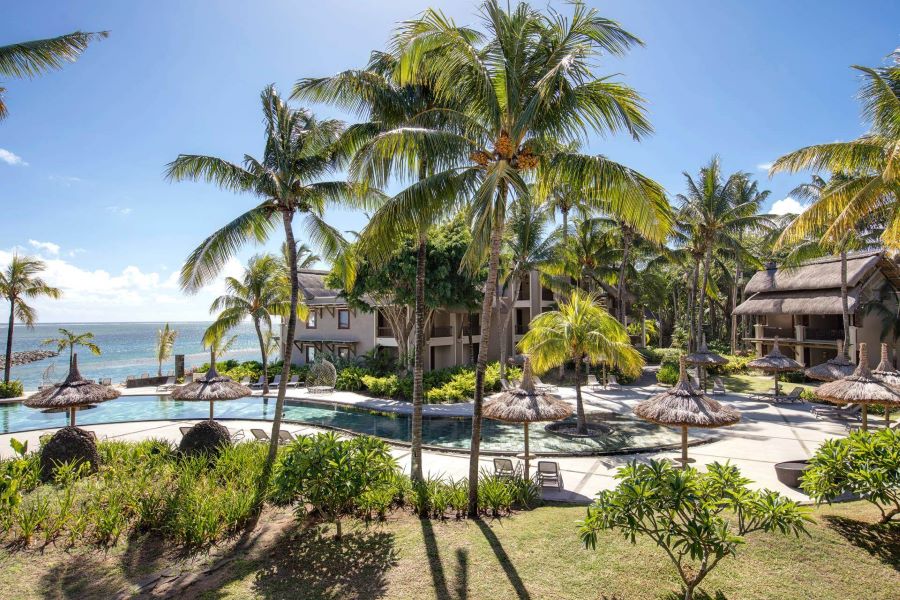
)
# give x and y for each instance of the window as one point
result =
(311, 320)
(343, 353)
(343, 318)
(310, 354)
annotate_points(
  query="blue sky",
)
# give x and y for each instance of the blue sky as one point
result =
(83, 150)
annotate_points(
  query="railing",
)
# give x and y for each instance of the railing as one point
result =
(824, 334)
(385, 332)
(441, 330)
(783, 332)
(476, 330)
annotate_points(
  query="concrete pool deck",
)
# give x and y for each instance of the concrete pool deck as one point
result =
(767, 434)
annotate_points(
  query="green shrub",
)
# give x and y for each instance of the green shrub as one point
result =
(667, 374)
(652, 356)
(386, 387)
(669, 356)
(13, 389)
(349, 379)
(865, 463)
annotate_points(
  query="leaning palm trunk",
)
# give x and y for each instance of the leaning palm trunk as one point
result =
(734, 301)
(265, 360)
(695, 283)
(504, 332)
(626, 247)
(579, 405)
(287, 217)
(487, 309)
(418, 366)
(9, 340)
(845, 310)
(701, 308)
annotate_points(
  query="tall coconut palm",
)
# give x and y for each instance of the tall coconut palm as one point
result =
(259, 295)
(20, 282)
(376, 96)
(511, 95)
(298, 152)
(869, 166)
(30, 59)
(165, 344)
(69, 339)
(580, 329)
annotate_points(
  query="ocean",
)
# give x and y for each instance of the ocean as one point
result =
(127, 349)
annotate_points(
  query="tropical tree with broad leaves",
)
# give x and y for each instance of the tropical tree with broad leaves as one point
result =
(299, 151)
(510, 96)
(19, 282)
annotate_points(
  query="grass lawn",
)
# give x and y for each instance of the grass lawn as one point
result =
(533, 554)
(747, 384)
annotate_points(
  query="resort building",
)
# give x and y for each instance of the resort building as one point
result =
(801, 306)
(453, 337)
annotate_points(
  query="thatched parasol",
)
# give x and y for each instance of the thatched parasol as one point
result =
(833, 368)
(72, 393)
(684, 406)
(211, 387)
(703, 358)
(861, 387)
(775, 362)
(525, 404)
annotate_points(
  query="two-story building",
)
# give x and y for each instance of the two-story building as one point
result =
(801, 306)
(335, 328)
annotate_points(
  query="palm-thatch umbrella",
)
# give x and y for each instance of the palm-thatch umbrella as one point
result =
(704, 358)
(71, 394)
(211, 387)
(886, 372)
(861, 387)
(833, 368)
(684, 406)
(525, 404)
(775, 362)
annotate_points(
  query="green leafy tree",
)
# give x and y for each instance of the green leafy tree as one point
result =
(299, 151)
(579, 329)
(30, 59)
(697, 518)
(262, 293)
(865, 464)
(511, 96)
(165, 343)
(70, 339)
(20, 282)
(868, 166)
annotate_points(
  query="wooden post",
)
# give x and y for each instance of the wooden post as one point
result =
(684, 442)
(72, 416)
(527, 454)
(865, 417)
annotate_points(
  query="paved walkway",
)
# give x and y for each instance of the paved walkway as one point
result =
(766, 434)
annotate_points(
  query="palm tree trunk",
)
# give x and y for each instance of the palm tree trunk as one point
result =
(504, 337)
(265, 361)
(626, 247)
(702, 304)
(418, 366)
(9, 340)
(845, 310)
(695, 283)
(287, 217)
(734, 303)
(470, 359)
(487, 310)
(579, 405)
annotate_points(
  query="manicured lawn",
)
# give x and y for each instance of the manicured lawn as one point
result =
(747, 384)
(533, 554)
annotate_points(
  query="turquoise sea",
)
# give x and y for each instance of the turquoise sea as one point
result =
(128, 349)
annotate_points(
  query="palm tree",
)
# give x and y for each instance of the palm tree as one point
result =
(30, 59)
(580, 329)
(216, 341)
(868, 166)
(510, 96)
(259, 295)
(70, 339)
(19, 282)
(165, 343)
(299, 150)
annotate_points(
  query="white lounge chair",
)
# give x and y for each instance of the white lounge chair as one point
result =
(611, 382)
(593, 384)
(167, 386)
(548, 474)
(718, 386)
(245, 381)
(541, 385)
(276, 382)
(294, 381)
(236, 435)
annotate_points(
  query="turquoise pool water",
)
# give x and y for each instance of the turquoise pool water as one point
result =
(450, 432)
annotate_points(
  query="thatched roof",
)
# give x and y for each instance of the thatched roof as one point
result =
(820, 274)
(211, 387)
(72, 392)
(861, 387)
(525, 404)
(775, 361)
(814, 302)
(684, 405)
(312, 286)
(885, 370)
(705, 357)
(833, 368)
(26, 357)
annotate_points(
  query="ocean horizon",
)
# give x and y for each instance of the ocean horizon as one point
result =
(128, 348)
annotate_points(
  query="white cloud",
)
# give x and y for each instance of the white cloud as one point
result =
(12, 159)
(75, 252)
(119, 210)
(764, 166)
(48, 247)
(63, 180)
(130, 295)
(786, 206)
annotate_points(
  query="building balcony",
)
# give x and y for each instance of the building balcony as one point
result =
(384, 332)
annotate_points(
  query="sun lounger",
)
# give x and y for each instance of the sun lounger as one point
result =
(849, 414)
(167, 386)
(106, 381)
(548, 474)
(294, 381)
(285, 437)
(184, 430)
(276, 382)
(593, 384)
(611, 382)
(260, 435)
(794, 396)
(846, 409)
(245, 381)
(236, 435)
(541, 385)
(260, 382)
(503, 467)
(718, 386)
(144, 376)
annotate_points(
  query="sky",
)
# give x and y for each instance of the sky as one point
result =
(83, 150)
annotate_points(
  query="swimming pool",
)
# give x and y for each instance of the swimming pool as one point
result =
(448, 432)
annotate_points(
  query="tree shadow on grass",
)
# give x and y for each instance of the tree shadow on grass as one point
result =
(698, 595)
(314, 564)
(84, 575)
(436, 567)
(881, 541)
(503, 558)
